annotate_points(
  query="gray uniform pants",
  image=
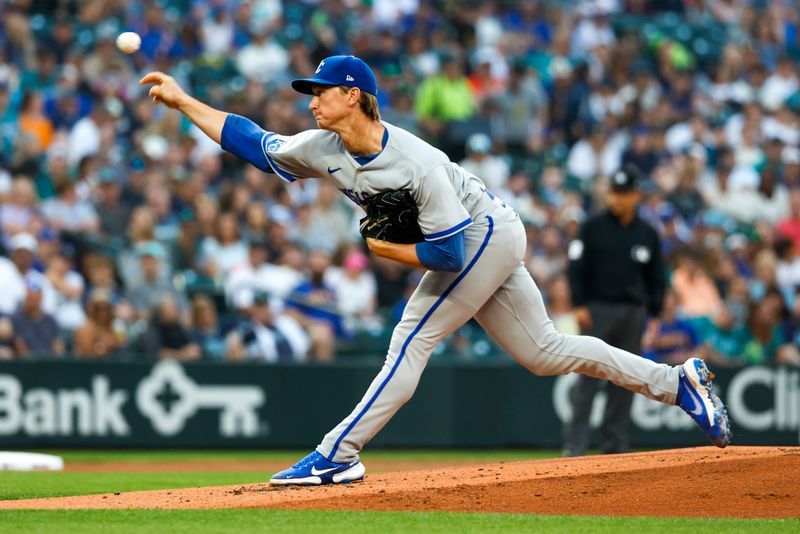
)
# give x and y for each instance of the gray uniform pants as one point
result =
(620, 325)
(496, 289)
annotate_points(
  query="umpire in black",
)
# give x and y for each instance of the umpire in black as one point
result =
(616, 277)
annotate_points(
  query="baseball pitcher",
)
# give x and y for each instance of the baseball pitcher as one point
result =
(470, 242)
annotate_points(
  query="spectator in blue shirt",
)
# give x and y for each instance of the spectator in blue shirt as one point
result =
(35, 332)
(314, 305)
(669, 339)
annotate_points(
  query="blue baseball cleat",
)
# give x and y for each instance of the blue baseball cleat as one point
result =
(697, 398)
(315, 469)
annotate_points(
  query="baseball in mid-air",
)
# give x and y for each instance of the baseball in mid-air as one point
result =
(129, 42)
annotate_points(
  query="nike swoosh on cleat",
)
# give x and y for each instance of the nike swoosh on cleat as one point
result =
(331, 171)
(322, 471)
(698, 409)
(697, 403)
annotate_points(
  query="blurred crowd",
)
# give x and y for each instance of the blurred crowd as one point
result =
(128, 234)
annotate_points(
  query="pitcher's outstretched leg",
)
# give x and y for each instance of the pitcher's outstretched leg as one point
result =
(515, 316)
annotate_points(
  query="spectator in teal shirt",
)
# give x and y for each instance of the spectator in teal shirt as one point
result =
(722, 341)
(8, 124)
(767, 341)
(43, 76)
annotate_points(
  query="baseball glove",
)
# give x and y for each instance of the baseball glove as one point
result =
(391, 216)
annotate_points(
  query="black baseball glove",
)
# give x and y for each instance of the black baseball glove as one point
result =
(391, 216)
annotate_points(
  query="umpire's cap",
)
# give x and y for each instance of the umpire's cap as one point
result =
(340, 70)
(625, 179)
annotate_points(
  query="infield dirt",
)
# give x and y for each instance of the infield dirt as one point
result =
(741, 482)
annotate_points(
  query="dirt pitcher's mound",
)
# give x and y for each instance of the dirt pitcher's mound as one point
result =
(699, 482)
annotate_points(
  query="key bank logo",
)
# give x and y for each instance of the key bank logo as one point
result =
(92, 411)
(238, 405)
(167, 397)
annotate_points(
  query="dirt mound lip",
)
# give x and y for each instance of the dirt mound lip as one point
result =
(266, 466)
(698, 482)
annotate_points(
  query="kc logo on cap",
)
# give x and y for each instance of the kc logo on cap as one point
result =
(340, 70)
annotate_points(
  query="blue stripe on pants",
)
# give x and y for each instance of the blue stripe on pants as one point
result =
(411, 336)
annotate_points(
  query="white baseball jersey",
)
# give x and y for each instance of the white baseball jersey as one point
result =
(494, 286)
(443, 191)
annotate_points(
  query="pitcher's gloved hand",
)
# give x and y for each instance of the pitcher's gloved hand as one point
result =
(391, 216)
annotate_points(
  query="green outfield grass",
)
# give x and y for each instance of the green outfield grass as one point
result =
(242, 521)
(40, 484)
(36, 485)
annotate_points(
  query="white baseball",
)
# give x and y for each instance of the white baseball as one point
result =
(129, 42)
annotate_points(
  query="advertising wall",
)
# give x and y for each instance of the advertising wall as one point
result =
(166, 404)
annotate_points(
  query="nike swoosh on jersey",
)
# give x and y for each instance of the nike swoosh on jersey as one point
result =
(331, 171)
(321, 471)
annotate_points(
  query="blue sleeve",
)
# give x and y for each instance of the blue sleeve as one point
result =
(448, 254)
(242, 138)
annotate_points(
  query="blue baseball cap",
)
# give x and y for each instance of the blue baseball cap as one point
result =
(340, 70)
